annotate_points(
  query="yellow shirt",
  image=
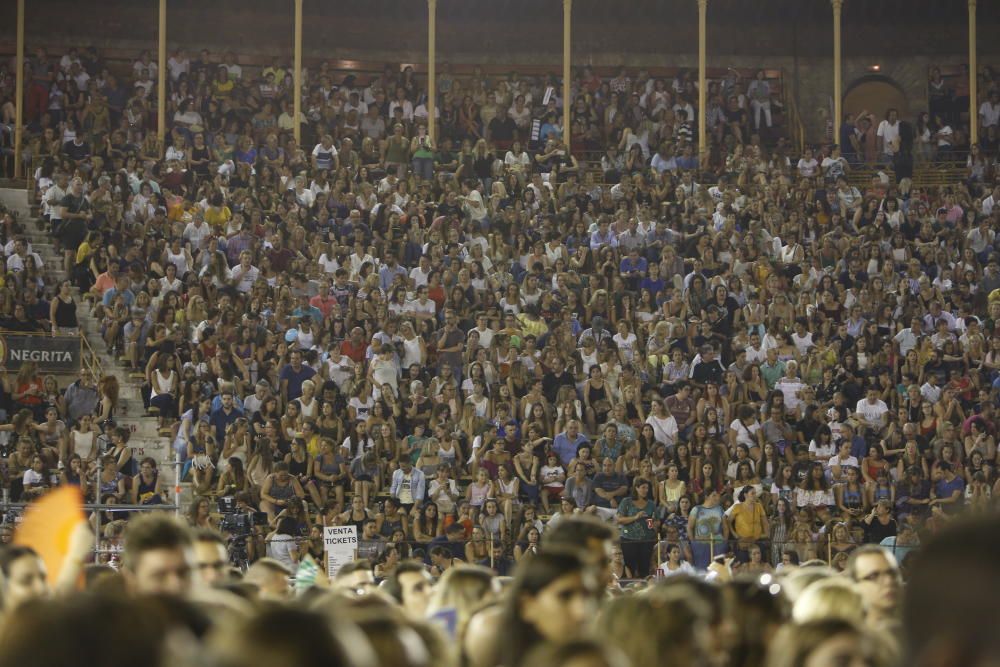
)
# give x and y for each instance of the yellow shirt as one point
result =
(223, 89)
(534, 327)
(312, 446)
(218, 217)
(83, 252)
(278, 72)
(747, 521)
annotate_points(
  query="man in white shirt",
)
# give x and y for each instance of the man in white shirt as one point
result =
(373, 125)
(930, 390)
(791, 387)
(992, 200)
(989, 111)
(197, 232)
(252, 403)
(235, 71)
(484, 331)
(340, 367)
(756, 350)
(354, 103)
(405, 105)
(420, 273)
(79, 76)
(801, 338)
(422, 307)
(20, 253)
(888, 135)
(52, 201)
(981, 237)
(145, 63)
(178, 64)
(908, 338)
(245, 274)
(872, 411)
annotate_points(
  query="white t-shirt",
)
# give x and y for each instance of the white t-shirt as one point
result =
(521, 118)
(626, 345)
(517, 162)
(756, 356)
(246, 278)
(835, 460)
(551, 474)
(990, 113)
(822, 451)
(873, 413)
(889, 133)
(340, 371)
(418, 276)
(790, 387)
(683, 568)
(802, 343)
(807, 168)
(664, 428)
(280, 548)
(745, 435)
(328, 264)
(414, 306)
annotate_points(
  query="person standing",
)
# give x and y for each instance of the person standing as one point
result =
(748, 521)
(707, 530)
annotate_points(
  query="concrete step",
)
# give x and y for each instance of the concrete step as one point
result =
(145, 439)
(141, 426)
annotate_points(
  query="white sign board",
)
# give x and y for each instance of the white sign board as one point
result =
(341, 545)
(549, 92)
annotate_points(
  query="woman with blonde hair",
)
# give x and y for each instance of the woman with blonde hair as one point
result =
(196, 311)
(461, 590)
(831, 641)
(830, 598)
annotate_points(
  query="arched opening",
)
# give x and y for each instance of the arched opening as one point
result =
(876, 94)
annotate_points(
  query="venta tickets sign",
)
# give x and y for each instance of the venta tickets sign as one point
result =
(341, 545)
(49, 353)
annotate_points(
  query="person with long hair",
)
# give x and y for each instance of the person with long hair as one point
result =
(107, 389)
(830, 641)
(551, 599)
(668, 626)
(28, 391)
(637, 516)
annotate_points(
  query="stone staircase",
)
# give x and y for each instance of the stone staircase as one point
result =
(145, 439)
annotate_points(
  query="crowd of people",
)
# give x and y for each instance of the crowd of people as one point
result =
(458, 341)
(183, 604)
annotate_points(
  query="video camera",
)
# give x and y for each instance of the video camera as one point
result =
(235, 522)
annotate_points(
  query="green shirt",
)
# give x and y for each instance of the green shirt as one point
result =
(772, 374)
(638, 530)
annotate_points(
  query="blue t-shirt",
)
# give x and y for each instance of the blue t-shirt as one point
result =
(295, 380)
(654, 286)
(945, 489)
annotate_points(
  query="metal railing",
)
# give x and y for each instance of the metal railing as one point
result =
(89, 358)
(97, 508)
